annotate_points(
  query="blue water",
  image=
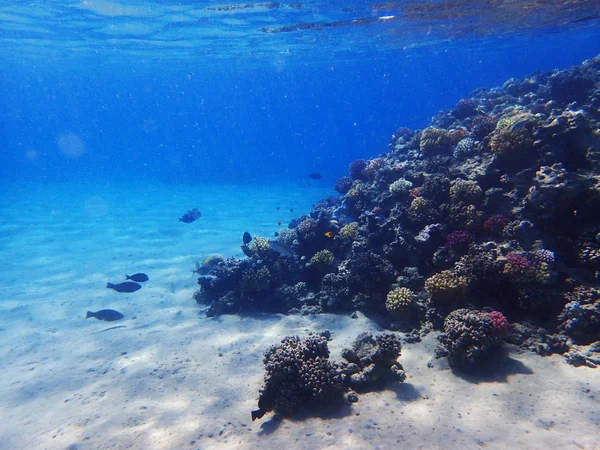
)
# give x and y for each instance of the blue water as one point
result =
(116, 117)
(180, 92)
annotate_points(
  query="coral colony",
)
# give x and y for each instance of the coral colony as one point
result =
(488, 216)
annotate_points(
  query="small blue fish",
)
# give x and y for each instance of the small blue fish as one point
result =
(190, 216)
(109, 315)
(127, 286)
(137, 277)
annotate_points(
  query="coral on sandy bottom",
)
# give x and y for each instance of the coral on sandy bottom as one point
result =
(495, 205)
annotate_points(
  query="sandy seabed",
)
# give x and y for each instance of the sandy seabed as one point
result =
(167, 377)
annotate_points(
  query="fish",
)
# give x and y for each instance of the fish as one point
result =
(265, 404)
(197, 268)
(257, 414)
(277, 208)
(246, 238)
(291, 209)
(190, 216)
(280, 248)
(315, 176)
(137, 277)
(330, 234)
(279, 222)
(109, 315)
(127, 286)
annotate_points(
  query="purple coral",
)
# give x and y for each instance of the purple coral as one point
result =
(307, 229)
(343, 185)
(356, 168)
(460, 238)
(495, 224)
(499, 323)
(481, 126)
(373, 166)
(464, 108)
(518, 261)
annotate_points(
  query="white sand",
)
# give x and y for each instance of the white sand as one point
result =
(171, 378)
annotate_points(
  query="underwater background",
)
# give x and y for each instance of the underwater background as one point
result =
(118, 117)
(180, 92)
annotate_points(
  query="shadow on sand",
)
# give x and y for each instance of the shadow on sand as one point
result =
(496, 368)
(406, 392)
(335, 410)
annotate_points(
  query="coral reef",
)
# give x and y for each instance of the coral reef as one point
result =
(469, 336)
(298, 373)
(373, 362)
(495, 205)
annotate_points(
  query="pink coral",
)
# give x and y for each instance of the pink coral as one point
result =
(415, 192)
(458, 238)
(499, 322)
(373, 166)
(518, 261)
(495, 224)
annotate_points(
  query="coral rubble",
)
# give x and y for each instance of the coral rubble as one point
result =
(496, 204)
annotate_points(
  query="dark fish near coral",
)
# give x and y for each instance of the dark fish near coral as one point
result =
(265, 404)
(128, 286)
(110, 315)
(315, 176)
(137, 277)
(246, 239)
(190, 216)
(280, 248)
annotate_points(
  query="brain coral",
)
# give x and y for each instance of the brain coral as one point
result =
(464, 148)
(400, 187)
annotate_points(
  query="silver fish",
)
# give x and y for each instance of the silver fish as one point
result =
(281, 248)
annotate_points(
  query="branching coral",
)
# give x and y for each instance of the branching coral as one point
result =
(511, 144)
(467, 191)
(256, 280)
(400, 300)
(435, 140)
(298, 373)
(349, 231)
(323, 259)
(446, 285)
(287, 236)
(469, 336)
(530, 267)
